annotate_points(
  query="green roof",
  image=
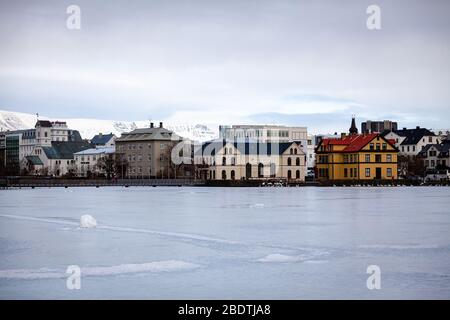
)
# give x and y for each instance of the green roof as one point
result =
(65, 149)
(35, 160)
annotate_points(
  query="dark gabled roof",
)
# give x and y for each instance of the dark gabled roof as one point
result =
(34, 160)
(101, 139)
(443, 149)
(413, 136)
(247, 148)
(65, 149)
(43, 123)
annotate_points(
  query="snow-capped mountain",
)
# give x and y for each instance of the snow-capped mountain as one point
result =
(88, 128)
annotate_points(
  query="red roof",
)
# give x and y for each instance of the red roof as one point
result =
(353, 142)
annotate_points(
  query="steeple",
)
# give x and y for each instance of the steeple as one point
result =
(353, 128)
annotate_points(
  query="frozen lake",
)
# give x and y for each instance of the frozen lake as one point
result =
(226, 243)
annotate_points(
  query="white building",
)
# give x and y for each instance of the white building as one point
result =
(87, 161)
(223, 160)
(411, 141)
(58, 158)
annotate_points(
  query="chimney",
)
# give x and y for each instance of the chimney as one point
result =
(343, 135)
(151, 124)
(418, 127)
(404, 128)
(160, 124)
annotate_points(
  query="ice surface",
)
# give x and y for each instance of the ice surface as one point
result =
(87, 221)
(152, 267)
(276, 257)
(220, 243)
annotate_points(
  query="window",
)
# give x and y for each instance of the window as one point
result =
(351, 173)
(378, 158)
(224, 175)
(260, 170)
(384, 146)
(224, 161)
(289, 161)
(389, 158)
(430, 139)
(378, 146)
(371, 146)
(413, 148)
(367, 158)
(295, 151)
(345, 172)
(389, 172)
(367, 172)
(297, 161)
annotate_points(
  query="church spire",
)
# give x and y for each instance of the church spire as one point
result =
(353, 128)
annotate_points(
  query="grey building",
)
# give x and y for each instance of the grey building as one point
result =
(370, 126)
(147, 152)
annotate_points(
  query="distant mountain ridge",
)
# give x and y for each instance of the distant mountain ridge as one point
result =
(88, 128)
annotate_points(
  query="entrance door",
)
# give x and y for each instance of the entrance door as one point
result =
(378, 173)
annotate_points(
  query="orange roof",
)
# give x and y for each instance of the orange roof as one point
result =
(353, 143)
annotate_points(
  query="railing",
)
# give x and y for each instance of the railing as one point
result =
(58, 182)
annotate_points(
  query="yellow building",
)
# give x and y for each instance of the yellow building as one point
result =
(356, 157)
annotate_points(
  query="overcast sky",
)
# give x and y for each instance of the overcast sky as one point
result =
(310, 63)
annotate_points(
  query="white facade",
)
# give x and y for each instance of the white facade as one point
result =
(54, 167)
(229, 162)
(86, 161)
(414, 148)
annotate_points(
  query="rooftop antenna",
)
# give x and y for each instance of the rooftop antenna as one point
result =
(37, 116)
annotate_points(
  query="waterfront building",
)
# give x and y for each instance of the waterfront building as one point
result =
(356, 157)
(411, 141)
(436, 156)
(19, 144)
(147, 153)
(93, 162)
(370, 126)
(232, 160)
(270, 134)
(58, 158)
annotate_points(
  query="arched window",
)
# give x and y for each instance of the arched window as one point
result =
(291, 151)
(273, 170)
(297, 174)
(224, 175)
(260, 170)
(224, 161)
(295, 151)
(233, 176)
(248, 171)
(289, 161)
(297, 161)
(289, 174)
